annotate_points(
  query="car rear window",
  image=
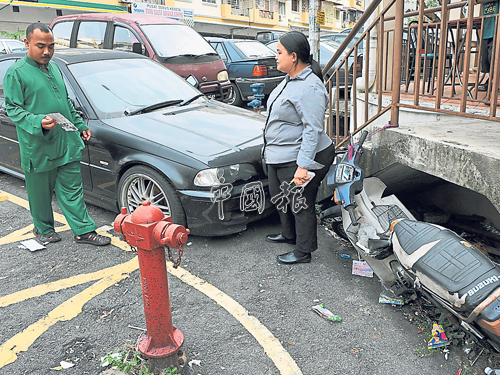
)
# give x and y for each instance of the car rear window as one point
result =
(91, 35)
(176, 40)
(62, 34)
(254, 49)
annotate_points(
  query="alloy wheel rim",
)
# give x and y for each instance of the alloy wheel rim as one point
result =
(142, 188)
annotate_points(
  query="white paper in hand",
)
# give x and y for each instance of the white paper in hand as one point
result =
(63, 121)
(311, 175)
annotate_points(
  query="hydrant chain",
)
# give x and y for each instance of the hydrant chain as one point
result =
(176, 263)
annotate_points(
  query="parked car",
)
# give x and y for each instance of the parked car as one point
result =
(154, 137)
(267, 36)
(247, 61)
(327, 49)
(11, 45)
(340, 37)
(170, 42)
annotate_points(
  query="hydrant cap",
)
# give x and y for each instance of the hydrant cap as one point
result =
(146, 214)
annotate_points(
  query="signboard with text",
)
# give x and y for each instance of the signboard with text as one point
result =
(320, 17)
(181, 14)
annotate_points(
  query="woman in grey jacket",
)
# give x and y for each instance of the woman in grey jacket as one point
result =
(295, 144)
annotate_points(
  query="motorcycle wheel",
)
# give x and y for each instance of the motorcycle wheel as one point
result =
(338, 228)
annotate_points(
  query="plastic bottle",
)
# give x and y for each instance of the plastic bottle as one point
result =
(490, 371)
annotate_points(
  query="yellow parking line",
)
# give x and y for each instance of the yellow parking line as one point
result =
(65, 311)
(110, 276)
(55, 286)
(273, 348)
(25, 233)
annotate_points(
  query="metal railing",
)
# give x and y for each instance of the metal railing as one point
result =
(429, 66)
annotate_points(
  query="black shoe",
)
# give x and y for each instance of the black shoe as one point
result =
(290, 258)
(278, 238)
(482, 88)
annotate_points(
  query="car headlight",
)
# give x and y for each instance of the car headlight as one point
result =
(224, 175)
(222, 76)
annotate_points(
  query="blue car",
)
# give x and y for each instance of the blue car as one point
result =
(247, 62)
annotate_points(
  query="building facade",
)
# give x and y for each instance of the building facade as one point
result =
(228, 18)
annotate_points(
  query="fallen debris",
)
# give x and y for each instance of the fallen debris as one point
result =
(325, 313)
(438, 337)
(32, 245)
(361, 268)
(63, 365)
(384, 298)
(194, 362)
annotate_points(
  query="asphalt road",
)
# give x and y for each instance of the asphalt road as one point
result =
(240, 311)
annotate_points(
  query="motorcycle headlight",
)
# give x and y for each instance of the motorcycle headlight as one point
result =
(224, 175)
(222, 76)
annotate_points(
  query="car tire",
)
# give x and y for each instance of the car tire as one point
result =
(235, 96)
(142, 183)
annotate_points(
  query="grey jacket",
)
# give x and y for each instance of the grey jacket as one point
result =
(294, 130)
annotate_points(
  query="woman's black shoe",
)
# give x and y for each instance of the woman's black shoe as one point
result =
(278, 238)
(290, 258)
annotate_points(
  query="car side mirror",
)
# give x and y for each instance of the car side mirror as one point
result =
(137, 48)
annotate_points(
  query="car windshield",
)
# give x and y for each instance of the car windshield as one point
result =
(117, 87)
(176, 40)
(254, 49)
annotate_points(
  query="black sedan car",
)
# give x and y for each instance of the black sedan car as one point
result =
(156, 138)
(247, 62)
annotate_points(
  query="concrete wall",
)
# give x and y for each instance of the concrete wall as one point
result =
(462, 151)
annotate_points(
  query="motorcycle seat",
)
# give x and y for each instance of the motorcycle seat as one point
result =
(448, 260)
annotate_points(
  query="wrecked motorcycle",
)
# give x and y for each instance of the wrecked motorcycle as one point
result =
(411, 256)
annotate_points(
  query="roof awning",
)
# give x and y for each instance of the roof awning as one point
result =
(333, 2)
(69, 4)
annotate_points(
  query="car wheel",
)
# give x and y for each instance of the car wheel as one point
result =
(141, 183)
(234, 96)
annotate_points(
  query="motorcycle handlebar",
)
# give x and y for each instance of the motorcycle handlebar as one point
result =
(334, 211)
(363, 138)
(354, 221)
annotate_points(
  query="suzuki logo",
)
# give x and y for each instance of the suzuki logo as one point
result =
(481, 285)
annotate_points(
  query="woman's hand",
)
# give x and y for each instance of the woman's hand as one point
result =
(300, 176)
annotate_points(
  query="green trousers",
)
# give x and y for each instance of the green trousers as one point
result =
(66, 181)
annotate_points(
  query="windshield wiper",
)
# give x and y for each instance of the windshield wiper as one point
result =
(191, 100)
(152, 107)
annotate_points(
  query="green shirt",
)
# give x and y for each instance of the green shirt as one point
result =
(30, 94)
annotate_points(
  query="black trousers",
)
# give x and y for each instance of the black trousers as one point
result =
(302, 225)
(486, 53)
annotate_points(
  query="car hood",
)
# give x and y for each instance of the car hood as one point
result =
(209, 132)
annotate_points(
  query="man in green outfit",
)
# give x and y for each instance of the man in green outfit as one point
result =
(50, 155)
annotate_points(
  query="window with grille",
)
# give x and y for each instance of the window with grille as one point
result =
(305, 5)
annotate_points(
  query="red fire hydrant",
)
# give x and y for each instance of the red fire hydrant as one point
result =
(150, 231)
